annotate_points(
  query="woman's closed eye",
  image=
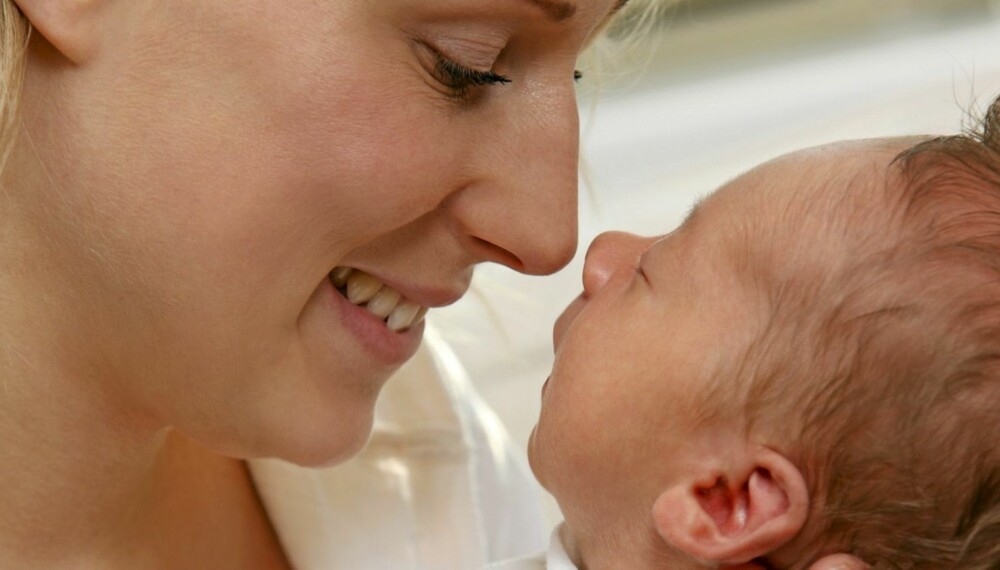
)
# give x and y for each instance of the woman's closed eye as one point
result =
(459, 79)
(462, 80)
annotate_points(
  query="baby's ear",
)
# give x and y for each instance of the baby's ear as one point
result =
(69, 25)
(737, 513)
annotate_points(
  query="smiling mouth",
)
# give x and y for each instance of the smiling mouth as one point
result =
(364, 290)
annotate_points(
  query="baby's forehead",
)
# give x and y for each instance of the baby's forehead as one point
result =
(804, 181)
(797, 222)
(783, 232)
(815, 191)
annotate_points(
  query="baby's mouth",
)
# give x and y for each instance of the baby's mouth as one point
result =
(379, 299)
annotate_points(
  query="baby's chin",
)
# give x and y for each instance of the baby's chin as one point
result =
(534, 461)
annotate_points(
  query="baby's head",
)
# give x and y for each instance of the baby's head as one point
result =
(810, 364)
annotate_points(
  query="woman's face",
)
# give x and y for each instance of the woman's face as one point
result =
(208, 163)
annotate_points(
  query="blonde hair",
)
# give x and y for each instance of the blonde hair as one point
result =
(620, 53)
(14, 33)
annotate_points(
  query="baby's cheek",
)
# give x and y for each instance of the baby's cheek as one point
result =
(582, 440)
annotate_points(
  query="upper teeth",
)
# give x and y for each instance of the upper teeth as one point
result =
(381, 300)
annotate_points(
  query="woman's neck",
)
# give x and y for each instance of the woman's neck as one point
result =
(87, 483)
(89, 477)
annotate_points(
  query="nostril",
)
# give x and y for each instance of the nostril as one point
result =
(490, 251)
(521, 235)
(542, 261)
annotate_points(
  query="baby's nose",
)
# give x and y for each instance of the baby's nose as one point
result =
(611, 252)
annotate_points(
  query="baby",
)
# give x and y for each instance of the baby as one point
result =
(805, 374)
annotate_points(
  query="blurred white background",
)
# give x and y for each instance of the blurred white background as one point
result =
(715, 88)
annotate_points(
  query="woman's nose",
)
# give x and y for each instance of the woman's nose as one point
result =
(609, 253)
(523, 211)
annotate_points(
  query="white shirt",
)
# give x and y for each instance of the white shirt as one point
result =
(555, 559)
(439, 486)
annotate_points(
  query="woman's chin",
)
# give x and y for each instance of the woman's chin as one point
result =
(330, 455)
(308, 436)
(317, 417)
(324, 444)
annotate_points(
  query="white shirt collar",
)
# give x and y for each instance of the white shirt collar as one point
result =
(557, 558)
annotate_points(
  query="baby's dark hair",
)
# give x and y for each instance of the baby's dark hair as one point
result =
(893, 408)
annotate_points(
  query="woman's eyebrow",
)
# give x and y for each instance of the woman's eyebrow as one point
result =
(555, 10)
(558, 11)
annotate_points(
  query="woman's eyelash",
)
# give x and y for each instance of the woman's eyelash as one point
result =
(460, 79)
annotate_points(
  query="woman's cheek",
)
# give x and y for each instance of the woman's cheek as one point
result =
(396, 161)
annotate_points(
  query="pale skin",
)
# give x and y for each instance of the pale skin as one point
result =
(186, 176)
(645, 476)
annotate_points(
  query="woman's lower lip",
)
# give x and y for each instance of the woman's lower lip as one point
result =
(392, 348)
